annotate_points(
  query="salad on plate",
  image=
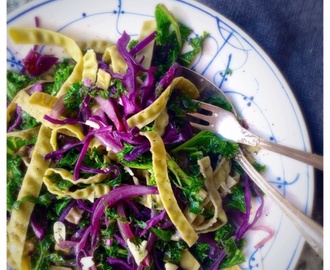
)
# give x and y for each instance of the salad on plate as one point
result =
(104, 170)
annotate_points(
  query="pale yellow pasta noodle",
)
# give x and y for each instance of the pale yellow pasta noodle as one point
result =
(212, 201)
(90, 66)
(221, 172)
(150, 113)
(34, 35)
(146, 54)
(75, 76)
(70, 130)
(19, 220)
(222, 179)
(40, 106)
(221, 221)
(213, 195)
(27, 35)
(93, 190)
(161, 122)
(26, 134)
(165, 190)
(98, 46)
(112, 56)
(11, 109)
(188, 261)
(12, 106)
(103, 79)
(42, 99)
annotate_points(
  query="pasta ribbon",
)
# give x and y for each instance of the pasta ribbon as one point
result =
(38, 105)
(165, 190)
(32, 182)
(148, 27)
(212, 201)
(220, 222)
(90, 66)
(26, 134)
(98, 46)
(42, 99)
(11, 109)
(112, 55)
(221, 172)
(36, 109)
(188, 261)
(213, 198)
(103, 79)
(93, 190)
(150, 113)
(36, 35)
(70, 130)
(161, 122)
(75, 76)
(222, 180)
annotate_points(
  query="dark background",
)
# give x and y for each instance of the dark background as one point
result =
(291, 33)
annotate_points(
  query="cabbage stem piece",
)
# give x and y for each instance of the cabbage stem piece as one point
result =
(166, 194)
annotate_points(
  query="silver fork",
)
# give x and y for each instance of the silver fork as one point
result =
(226, 125)
(309, 229)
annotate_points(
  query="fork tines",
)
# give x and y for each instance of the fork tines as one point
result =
(203, 119)
(207, 106)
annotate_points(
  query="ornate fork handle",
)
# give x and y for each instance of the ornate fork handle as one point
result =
(310, 230)
(249, 138)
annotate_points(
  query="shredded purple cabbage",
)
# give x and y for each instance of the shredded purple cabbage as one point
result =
(246, 225)
(118, 193)
(39, 225)
(123, 265)
(110, 109)
(153, 222)
(143, 43)
(108, 126)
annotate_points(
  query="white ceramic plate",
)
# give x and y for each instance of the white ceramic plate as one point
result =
(256, 87)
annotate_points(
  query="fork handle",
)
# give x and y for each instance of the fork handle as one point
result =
(309, 229)
(312, 159)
